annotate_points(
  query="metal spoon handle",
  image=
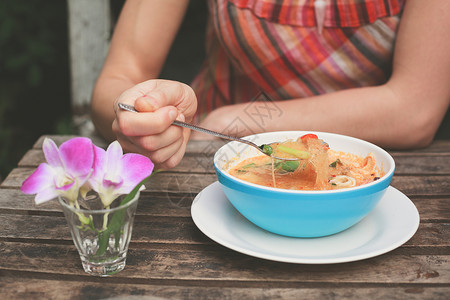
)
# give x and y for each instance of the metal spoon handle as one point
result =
(194, 127)
(214, 133)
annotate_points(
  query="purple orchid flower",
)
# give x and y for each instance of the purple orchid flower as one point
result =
(116, 174)
(66, 171)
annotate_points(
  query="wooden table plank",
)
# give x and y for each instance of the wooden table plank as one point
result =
(430, 165)
(430, 238)
(160, 182)
(13, 201)
(422, 185)
(145, 230)
(221, 265)
(194, 183)
(174, 231)
(437, 147)
(406, 164)
(21, 288)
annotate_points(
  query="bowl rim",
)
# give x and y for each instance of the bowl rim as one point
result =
(387, 176)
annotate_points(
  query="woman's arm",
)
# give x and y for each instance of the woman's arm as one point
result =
(139, 46)
(403, 113)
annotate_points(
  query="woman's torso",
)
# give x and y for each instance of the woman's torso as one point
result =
(275, 46)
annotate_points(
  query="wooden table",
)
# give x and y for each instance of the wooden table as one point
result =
(169, 257)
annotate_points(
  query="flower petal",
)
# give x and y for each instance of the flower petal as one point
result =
(135, 168)
(114, 153)
(40, 179)
(96, 177)
(77, 154)
(51, 153)
(45, 195)
(41, 183)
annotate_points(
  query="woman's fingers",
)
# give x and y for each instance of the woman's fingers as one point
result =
(150, 131)
(159, 147)
(153, 143)
(163, 154)
(146, 123)
(160, 93)
(175, 159)
(166, 157)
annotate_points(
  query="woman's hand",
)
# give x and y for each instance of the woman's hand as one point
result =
(150, 132)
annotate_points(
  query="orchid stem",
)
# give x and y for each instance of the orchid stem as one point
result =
(105, 219)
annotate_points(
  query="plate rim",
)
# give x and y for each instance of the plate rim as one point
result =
(299, 260)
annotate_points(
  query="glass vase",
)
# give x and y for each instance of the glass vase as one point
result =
(100, 235)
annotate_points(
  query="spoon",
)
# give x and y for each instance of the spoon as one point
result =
(264, 148)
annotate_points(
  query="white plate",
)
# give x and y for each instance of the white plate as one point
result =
(393, 221)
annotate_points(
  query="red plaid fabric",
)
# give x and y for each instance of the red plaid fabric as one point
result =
(274, 46)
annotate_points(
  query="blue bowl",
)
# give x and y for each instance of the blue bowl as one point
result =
(299, 213)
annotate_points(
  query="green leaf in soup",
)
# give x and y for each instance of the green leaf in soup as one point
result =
(335, 163)
(290, 165)
(266, 149)
(250, 165)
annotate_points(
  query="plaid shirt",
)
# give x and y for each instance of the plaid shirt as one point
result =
(275, 46)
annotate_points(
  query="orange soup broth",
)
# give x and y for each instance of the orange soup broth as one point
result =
(258, 170)
(302, 178)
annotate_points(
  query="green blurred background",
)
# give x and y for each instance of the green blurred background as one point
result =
(35, 75)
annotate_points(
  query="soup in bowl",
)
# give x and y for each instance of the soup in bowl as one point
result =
(306, 198)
